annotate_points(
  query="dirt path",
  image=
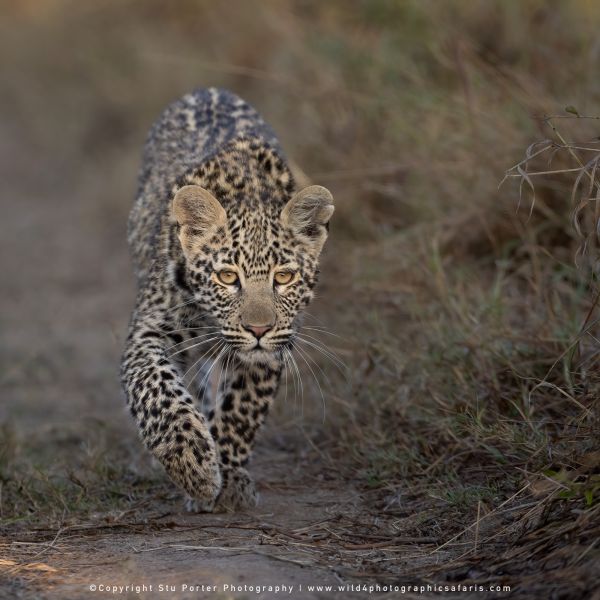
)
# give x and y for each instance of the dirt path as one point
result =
(286, 541)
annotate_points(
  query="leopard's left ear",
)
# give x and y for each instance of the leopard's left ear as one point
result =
(307, 214)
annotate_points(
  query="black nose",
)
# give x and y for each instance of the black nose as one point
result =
(258, 330)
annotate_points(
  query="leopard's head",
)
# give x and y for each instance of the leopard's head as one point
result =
(252, 268)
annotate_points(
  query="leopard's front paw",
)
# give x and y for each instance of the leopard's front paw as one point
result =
(197, 505)
(206, 493)
(199, 475)
(238, 491)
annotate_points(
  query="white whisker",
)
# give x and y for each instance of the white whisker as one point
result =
(289, 366)
(224, 353)
(301, 354)
(341, 366)
(229, 356)
(215, 356)
(316, 329)
(196, 338)
(301, 385)
(199, 359)
(195, 345)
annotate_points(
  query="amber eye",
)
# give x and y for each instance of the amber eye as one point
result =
(227, 277)
(283, 277)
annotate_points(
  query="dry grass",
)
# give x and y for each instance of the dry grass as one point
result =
(470, 416)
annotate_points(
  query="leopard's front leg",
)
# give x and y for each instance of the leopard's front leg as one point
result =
(171, 427)
(242, 407)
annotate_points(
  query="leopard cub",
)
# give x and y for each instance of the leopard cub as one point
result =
(225, 253)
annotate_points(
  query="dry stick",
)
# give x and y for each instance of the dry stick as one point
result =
(534, 504)
(565, 144)
(321, 522)
(553, 386)
(556, 172)
(50, 545)
(284, 559)
(479, 520)
(391, 543)
(477, 528)
(226, 548)
(186, 547)
(528, 157)
(591, 176)
(590, 312)
(578, 559)
(573, 117)
(569, 348)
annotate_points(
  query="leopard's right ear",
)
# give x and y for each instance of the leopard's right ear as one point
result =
(198, 213)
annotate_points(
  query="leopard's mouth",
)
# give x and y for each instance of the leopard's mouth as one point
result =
(256, 355)
(273, 346)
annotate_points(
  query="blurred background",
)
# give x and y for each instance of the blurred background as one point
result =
(467, 326)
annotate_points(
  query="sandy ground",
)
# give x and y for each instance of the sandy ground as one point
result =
(278, 544)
